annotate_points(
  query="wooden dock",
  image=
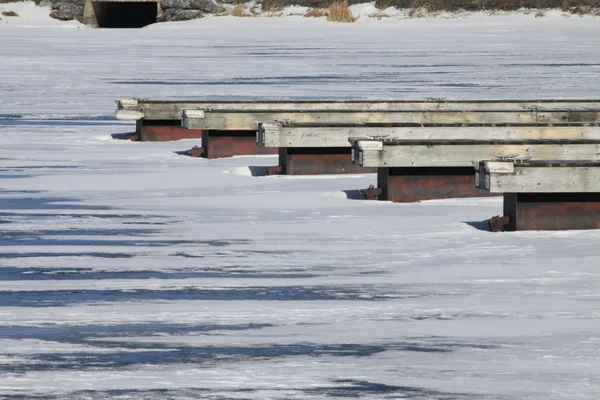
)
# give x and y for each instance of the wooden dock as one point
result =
(314, 139)
(543, 156)
(544, 194)
(421, 169)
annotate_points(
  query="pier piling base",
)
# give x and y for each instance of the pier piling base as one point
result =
(318, 161)
(551, 211)
(164, 131)
(219, 144)
(215, 144)
(410, 184)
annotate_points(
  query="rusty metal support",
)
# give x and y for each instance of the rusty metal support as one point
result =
(552, 211)
(496, 224)
(410, 184)
(219, 144)
(372, 193)
(280, 168)
(275, 170)
(196, 151)
(215, 144)
(165, 131)
(318, 161)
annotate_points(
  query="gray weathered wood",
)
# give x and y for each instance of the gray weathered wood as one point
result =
(224, 119)
(540, 177)
(172, 110)
(291, 134)
(462, 153)
(128, 115)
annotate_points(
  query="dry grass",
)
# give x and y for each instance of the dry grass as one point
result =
(316, 13)
(540, 14)
(580, 10)
(238, 11)
(379, 15)
(419, 9)
(10, 14)
(272, 5)
(340, 12)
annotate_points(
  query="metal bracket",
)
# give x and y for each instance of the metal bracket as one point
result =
(196, 151)
(531, 108)
(436, 99)
(497, 223)
(284, 122)
(275, 170)
(514, 158)
(134, 137)
(372, 193)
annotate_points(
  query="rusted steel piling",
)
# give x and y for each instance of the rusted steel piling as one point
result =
(215, 144)
(551, 211)
(219, 144)
(544, 195)
(316, 161)
(164, 131)
(410, 184)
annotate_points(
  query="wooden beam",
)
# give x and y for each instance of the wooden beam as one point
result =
(235, 119)
(539, 176)
(292, 134)
(172, 110)
(462, 153)
(129, 115)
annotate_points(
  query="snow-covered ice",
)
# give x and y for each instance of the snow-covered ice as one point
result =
(129, 271)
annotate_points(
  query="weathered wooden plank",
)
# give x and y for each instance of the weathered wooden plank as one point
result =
(172, 110)
(540, 177)
(129, 115)
(462, 153)
(285, 134)
(224, 119)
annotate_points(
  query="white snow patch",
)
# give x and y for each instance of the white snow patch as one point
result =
(32, 16)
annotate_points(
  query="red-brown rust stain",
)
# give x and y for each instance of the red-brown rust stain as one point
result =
(134, 137)
(411, 188)
(275, 170)
(162, 133)
(196, 151)
(498, 223)
(551, 216)
(224, 146)
(323, 164)
(372, 193)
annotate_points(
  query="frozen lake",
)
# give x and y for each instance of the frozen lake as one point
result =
(129, 271)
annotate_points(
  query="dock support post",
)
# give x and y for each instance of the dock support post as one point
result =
(318, 161)
(164, 131)
(219, 144)
(410, 184)
(551, 211)
(215, 144)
